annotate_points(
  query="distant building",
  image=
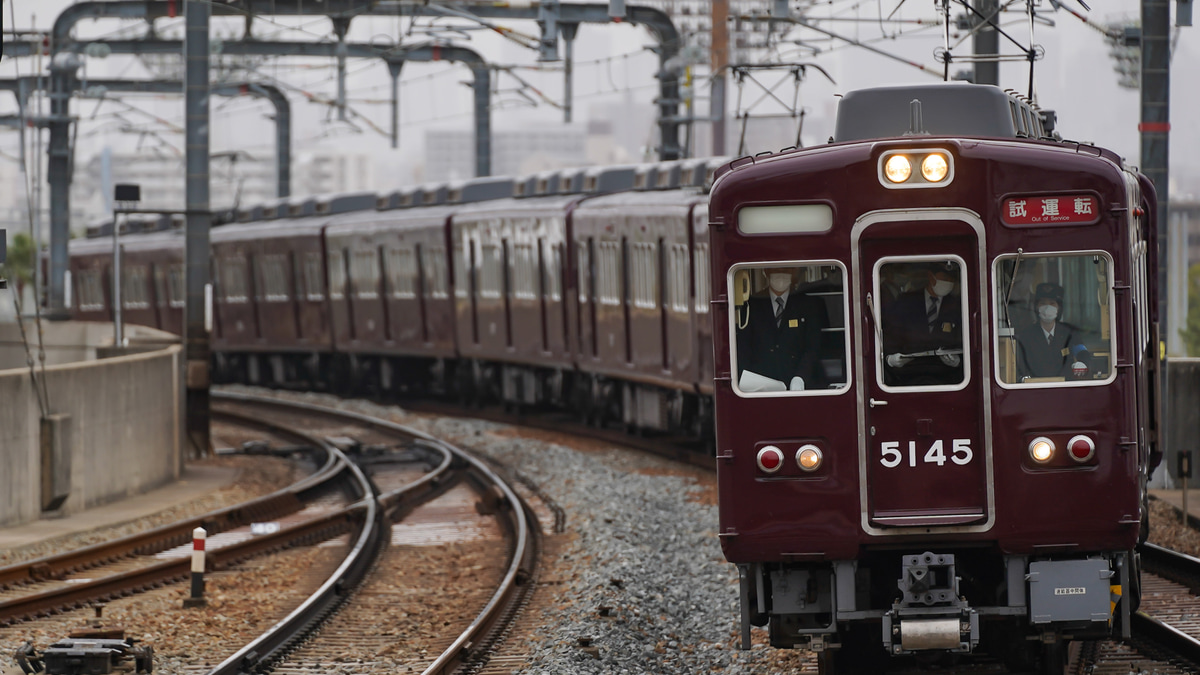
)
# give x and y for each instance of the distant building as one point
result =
(327, 172)
(450, 154)
(235, 178)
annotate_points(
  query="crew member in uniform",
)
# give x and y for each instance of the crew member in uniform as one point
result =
(1050, 348)
(922, 332)
(781, 338)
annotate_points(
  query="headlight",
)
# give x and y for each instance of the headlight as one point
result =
(934, 167)
(897, 168)
(809, 457)
(1041, 449)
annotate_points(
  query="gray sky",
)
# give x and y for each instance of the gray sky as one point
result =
(1075, 79)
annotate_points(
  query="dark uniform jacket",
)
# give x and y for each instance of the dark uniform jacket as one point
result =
(786, 350)
(906, 331)
(1038, 358)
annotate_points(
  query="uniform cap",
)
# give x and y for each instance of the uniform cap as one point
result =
(1048, 290)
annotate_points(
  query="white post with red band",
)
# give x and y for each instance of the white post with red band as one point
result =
(197, 598)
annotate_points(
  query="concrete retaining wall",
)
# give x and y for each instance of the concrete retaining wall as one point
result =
(118, 431)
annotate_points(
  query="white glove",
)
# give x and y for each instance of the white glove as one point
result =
(897, 361)
(951, 360)
(797, 384)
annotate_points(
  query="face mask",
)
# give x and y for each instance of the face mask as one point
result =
(942, 288)
(1048, 312)
(781, 282)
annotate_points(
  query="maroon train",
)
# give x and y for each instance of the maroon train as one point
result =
(964, 466)
(587, 288)
(885, 489)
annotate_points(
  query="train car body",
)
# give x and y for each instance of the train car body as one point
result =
(395, 318)
(929, 486)
(270, 307)
(152, 282)
(642, 300)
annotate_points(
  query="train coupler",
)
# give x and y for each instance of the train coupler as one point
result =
(930, 614)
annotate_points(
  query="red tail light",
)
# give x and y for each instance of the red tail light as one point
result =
(1081, 448)
(770, 459)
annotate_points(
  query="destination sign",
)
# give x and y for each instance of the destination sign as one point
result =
(1052, 210)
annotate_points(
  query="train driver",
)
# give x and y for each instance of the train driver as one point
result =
(922, 331)
(1050, 347)
(779, 336)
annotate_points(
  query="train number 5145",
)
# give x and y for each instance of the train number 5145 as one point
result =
(960, 453)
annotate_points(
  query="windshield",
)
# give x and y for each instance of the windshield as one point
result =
(1053, 318)
(789, 328)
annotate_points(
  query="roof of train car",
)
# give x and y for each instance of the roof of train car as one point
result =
(946, 109)
(520, 205)
(677, 198)
(271, 229)
(364, 222)
(129, 242)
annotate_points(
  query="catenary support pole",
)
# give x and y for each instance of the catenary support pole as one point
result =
(198, 221)
(719, 60)
(1155, 129)
(987, 42)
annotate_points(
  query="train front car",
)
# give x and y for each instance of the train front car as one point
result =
(934, 340)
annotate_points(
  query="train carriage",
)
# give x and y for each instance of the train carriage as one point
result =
(270, 314)
(152, 291)
(963, 465)
(511, 309)
(640, 307)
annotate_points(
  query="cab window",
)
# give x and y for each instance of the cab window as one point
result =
(921, 312)
(788, 328)
(1054, 325)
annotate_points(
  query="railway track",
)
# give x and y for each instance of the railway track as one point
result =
(369, 523)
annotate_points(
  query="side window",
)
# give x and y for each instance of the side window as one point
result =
(233, 279)
(314, 281)
(703, 294)
(608, 272)
(584, 264)
(437, 284)
(134, 288)
(551, 270)
(337, 275)
(788, 328)
(401, 266)
(1054, 325)
(922, 312)
(274, 277)
(91, 291)
(522, 272)
(491, 272)
(461, 283)
(176, 285)
(364, 274)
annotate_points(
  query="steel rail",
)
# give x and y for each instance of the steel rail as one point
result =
(522, 557)
(279, 503)
(1156, 636)
(1173, 565)
(279, 638)
(117, 585)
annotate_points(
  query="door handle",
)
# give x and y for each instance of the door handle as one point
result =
(875, 403)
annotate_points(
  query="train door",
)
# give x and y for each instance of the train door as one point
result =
(924, 451)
